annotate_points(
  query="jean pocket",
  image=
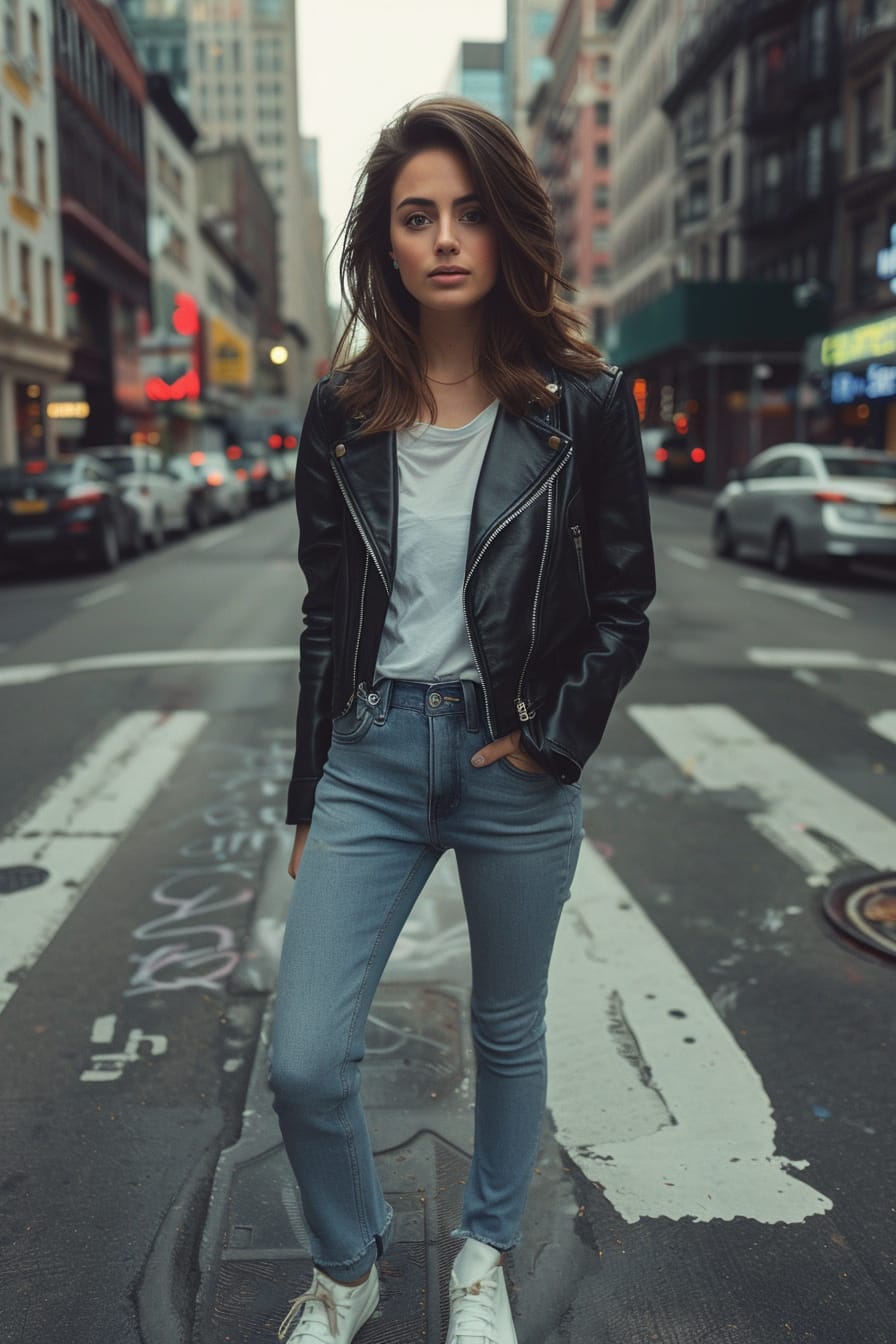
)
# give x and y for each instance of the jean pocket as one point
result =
(524, 774)
(354, 725)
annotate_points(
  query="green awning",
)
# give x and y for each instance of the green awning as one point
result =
(720, 314)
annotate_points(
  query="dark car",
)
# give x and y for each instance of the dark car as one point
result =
(202, 506)
(229, 484)
(671, 458)
(267, 474)
(69, 507)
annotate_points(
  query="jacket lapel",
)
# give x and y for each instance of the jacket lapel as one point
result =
(369, 468)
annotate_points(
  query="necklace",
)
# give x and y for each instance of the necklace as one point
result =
(456, 383)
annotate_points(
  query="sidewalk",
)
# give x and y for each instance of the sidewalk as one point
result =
(418, 1087)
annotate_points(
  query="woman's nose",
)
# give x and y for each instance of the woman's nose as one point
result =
(446, 241)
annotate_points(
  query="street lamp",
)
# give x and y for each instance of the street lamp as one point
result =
(278, 354)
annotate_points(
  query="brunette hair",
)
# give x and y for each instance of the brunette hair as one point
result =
(525, 322)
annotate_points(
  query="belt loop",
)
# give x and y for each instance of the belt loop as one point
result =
(471, 706)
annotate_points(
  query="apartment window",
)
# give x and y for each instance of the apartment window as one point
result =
(11, 28)
(724, 256)
(34, 31)
(728, 94)
(603, 67)
(237, 56)
(25, 292)
(698, 200)
(815, 159)
(703, 263)
(818, 39)
(602, 156)
(864, 258)
(600, 274)
(18, 152)
(601, 196)
(725, 180)
(49, 315)
(42, 194)
(871, 121)
(201, 56)
(602, 112)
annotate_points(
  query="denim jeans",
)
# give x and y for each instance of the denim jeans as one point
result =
(397, 791)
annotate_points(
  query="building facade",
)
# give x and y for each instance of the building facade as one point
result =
(527, 64)
(572, 136)
(33, 354)
(100, 96)
(480, 75)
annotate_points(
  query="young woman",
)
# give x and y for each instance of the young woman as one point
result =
(475, 538)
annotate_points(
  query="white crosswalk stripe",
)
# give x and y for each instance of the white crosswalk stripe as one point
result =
(77, 825)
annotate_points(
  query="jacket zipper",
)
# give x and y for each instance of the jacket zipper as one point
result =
(368, 556)
(485, 545)
(576, 531)
(522, 709)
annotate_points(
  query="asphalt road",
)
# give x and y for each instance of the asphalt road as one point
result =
(721, 1057)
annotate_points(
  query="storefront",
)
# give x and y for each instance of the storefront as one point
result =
(855, 371)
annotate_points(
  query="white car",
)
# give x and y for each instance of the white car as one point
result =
(160, 497)
(807, 502)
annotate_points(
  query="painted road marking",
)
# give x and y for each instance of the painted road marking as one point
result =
(22, 674)
(78, 823)
(649, 1091)
(687, 557)
(884, 724)
(215, 538)
(93, 599)
(793, 592)
(810, 819)
(832, 660)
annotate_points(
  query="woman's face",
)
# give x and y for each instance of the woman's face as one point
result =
(445, 247)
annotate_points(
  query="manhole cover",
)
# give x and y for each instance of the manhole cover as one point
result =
(20, 877)
(866, 910)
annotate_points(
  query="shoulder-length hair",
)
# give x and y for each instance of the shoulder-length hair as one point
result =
(525, 322)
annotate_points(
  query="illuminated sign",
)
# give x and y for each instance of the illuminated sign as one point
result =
(68, 410)
(856, 345)
(171, 363)
(878, 381)
(228, 355)
(639, 392)
(886, 261)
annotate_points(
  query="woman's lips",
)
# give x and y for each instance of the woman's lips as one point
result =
(448, 277)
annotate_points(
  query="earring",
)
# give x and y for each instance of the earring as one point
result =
(394, 264)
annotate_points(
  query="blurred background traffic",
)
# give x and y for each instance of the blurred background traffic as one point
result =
(723, 175)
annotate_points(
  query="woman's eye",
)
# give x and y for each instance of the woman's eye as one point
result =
(474, 216)
(416, 220)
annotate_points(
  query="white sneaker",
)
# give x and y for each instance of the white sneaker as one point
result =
(480, 1311)
(330, 1312)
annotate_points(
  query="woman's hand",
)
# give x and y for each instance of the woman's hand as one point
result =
(508, 746)
(298, 846)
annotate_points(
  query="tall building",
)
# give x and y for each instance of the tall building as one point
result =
(572, 134)
(727, 148)
(237, 69)
(33, 355)
(527, 64)
(480, 75)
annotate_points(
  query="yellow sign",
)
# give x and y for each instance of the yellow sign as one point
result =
(68, 410)
(16, 83)
(23, 211)
(857, 345)
(229, 354)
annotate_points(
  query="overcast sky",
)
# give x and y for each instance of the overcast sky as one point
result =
(361, 60)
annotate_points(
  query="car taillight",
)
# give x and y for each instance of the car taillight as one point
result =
(698, 455)
(241, 474)
(78, 501)
(831, 497)
(197, 459)
(35, 468)
(290, 441)
(259, 471)
(661, 454)
(215, 478)
(234, 452)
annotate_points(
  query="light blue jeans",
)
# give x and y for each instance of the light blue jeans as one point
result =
(397, 791)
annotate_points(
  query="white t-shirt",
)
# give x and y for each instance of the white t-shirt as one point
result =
(424, 637)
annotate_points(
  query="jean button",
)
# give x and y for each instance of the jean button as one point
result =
(434, 699)
(373, 698)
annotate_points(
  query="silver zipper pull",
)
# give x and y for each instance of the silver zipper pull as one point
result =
(525, 714)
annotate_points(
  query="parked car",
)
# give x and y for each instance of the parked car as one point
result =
(800, 502)
(229, 484)
(670, 457)
(266, 472)
(201, 495)
(161, 498)
(73, 506)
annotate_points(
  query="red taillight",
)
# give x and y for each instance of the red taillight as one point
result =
(241, 474)
(35, 468)
(661, 454)
(234, 452)
(698, 455)
(275, 440)
(831, 497)
(290, 441)
(259, 471)
(197, 459)
(78, 501)
(215, 478)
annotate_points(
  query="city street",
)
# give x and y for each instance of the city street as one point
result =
(717, 1161)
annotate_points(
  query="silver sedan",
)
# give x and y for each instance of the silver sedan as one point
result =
(801, 502)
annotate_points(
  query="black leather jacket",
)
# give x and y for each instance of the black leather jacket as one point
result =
(559, 570)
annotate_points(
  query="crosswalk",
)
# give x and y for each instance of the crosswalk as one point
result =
(649, 1091)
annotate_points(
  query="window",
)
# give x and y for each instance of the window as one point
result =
(49, 316)
(600, 274)
(870, 122)
(237, 56)
(600, 239)
(864, 258)
(815, 159)
(698, 200)
(728, 94)
(725, 180)
(42, 195)
(818, 37)
(601, 196)
(18, 153)
(34, 30)
(724, 256)
(602, 113)
(11, 28)
(200, 56)
(603, 67)
(25, 294)
(602, 156)
(703, 262)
